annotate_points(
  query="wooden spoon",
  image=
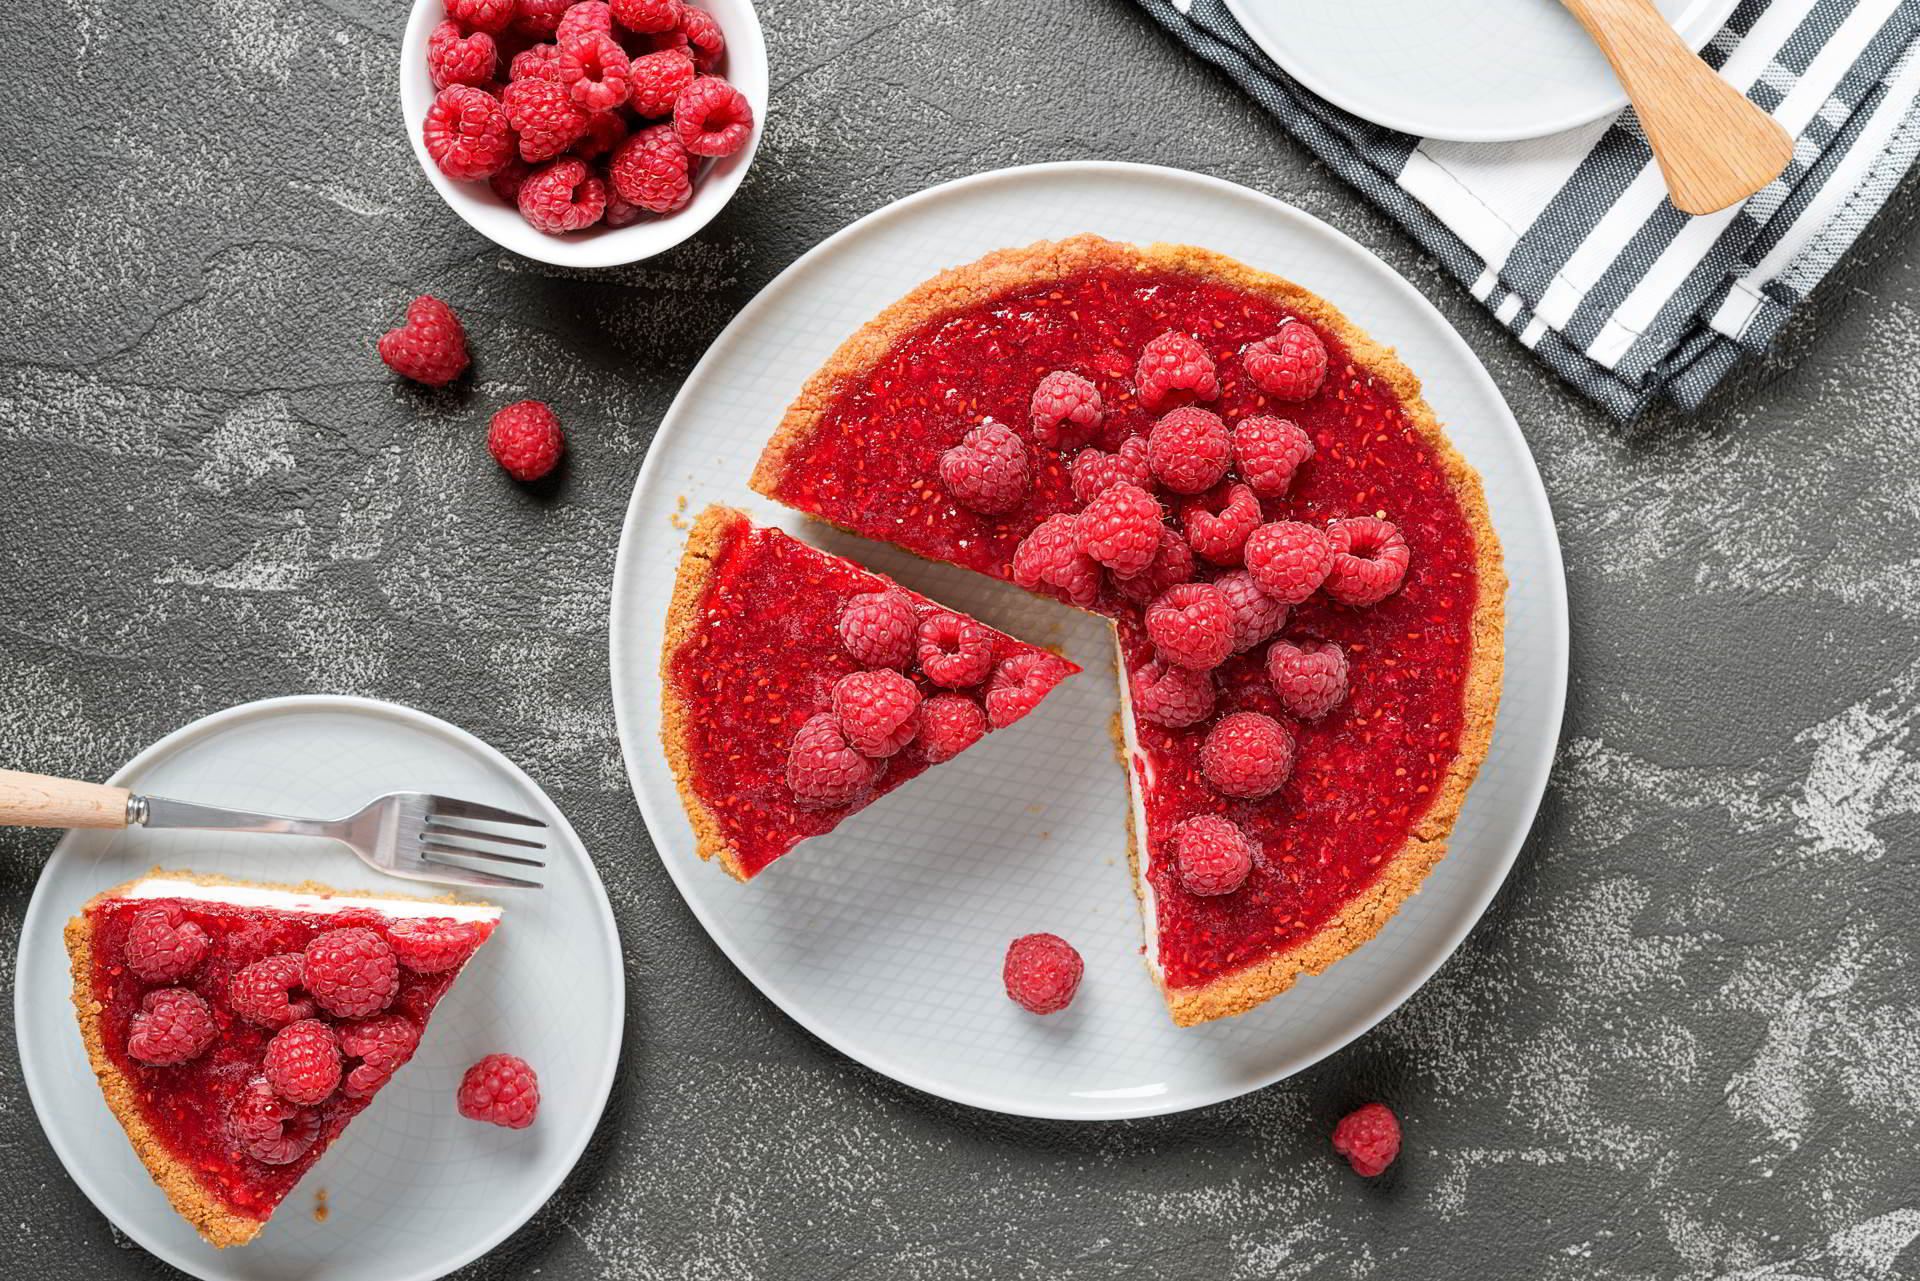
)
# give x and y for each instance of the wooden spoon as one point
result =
(1715, 148)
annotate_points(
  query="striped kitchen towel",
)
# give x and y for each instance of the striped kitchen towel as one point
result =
(1570, 240)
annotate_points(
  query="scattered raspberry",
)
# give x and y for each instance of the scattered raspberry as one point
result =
(878, 709)
(1218, 522)
(987, 471)
(1172, 565)
(713, 117)
(163, 945)
(1191, 626)
(467, 133)
(955, 652)
(1288, 560)
(1370, 559)
(1256, 615)
(1212, 854)
(490, 16)
(822, 766)
(382, 1045)
(539, 18)
(351, 972)
(1369, 1137)
(584, 18)
(949, 725)
(1020, 683)
(593, 70)
(173, 1025)
(432, 945)
(1049, 560)
(647, 16)
(1247, 754)
(268, 1128)
(605, 131)
(536, 62)
(657, 80)
(303, 1062)
(1174, 369)
(1091, 470)
(508, 179)
(650, 169)
(878, 628)
(545, 117)
(1121, 528)
(456, 59)
(1174, 697)
(525, 438)
(1066, 409)
(1309, 677)
(1188, 450)
(430, 346)
(1042, 972)
(1291, 365)
(703, 37)
(501, 1089)
(262, 992)
(1268, 451)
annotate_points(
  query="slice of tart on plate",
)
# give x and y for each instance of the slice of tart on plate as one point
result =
(1304, 585)
(236, 1027)
(799, 687)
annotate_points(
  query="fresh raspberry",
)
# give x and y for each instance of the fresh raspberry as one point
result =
(1369, 1137)
(1066, 409)
(351, 972)
(509, 178)
(703, 37)
(878, 709)
(431, 944)
(822, 766)
(1174, 369)
(501, 1089)
(1172, 565)
(467, 133)
(525, 438)
(1170, 696)
(268, 1128)
(456, 59)
(1219, 521)
(593, 70)
(1189, 450)
(605, 131)
(1310, 677)
(430, 347)
(954, 651)
(382, 1045)
(163, 945)
(1092, 470)
(539, 18)
(1049, 560)
(1042, 972)
(619, 212)
(1191, 626)
(1370, 559)
(545, 117)
(536, 62)
(173, 1025)
(650, 170)
(645, 17)
(1290, 365)
(1268, 451)
(949, 725)
(1247, 754)
(713, 117)
(878, 628)
(1256, 615)
(658, 79)
(1019, 683)
(1288, 560)
(987, 471)
(262, 992)
(303, 1062)
(1121, 528)
(490, 16)
(1212, 854)
(563, 196)
(584, 18)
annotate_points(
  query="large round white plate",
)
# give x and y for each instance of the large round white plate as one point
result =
(413, 1191)
(1466, 70)
(886, 937)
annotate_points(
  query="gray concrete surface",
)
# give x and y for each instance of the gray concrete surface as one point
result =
(1682, 1045)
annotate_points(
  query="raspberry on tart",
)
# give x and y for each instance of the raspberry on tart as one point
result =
(1297, 467)
(231, 1075)
(798, 687)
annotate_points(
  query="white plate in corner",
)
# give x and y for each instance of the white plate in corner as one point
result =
(885, 938)
(413, 1190)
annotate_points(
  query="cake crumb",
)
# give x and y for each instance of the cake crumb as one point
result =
(319, 1205)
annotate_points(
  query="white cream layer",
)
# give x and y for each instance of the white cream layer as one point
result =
(289, 901)
(1136, 764)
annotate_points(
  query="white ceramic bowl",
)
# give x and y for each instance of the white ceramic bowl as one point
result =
(745, 67)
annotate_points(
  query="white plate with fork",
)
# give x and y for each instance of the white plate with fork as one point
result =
(412, 1191)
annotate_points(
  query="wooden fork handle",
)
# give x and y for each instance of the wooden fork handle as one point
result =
(35, 800)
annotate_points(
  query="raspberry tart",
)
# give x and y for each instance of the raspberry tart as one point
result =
(237, 1027)
(1304, 586)
(798, 687)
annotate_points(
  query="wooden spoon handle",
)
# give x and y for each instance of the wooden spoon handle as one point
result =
(34, 800)
(1715, 148)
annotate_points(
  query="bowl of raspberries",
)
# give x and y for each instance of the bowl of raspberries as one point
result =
(585, 133)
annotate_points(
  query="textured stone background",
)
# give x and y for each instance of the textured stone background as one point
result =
(1682, 1045)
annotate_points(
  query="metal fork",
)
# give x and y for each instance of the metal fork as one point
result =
(402, 834)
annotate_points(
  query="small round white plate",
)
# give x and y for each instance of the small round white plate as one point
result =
(886, 937)
(1464, 70)
(413, 1190)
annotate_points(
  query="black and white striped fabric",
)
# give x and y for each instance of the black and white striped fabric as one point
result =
(1570, 240)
